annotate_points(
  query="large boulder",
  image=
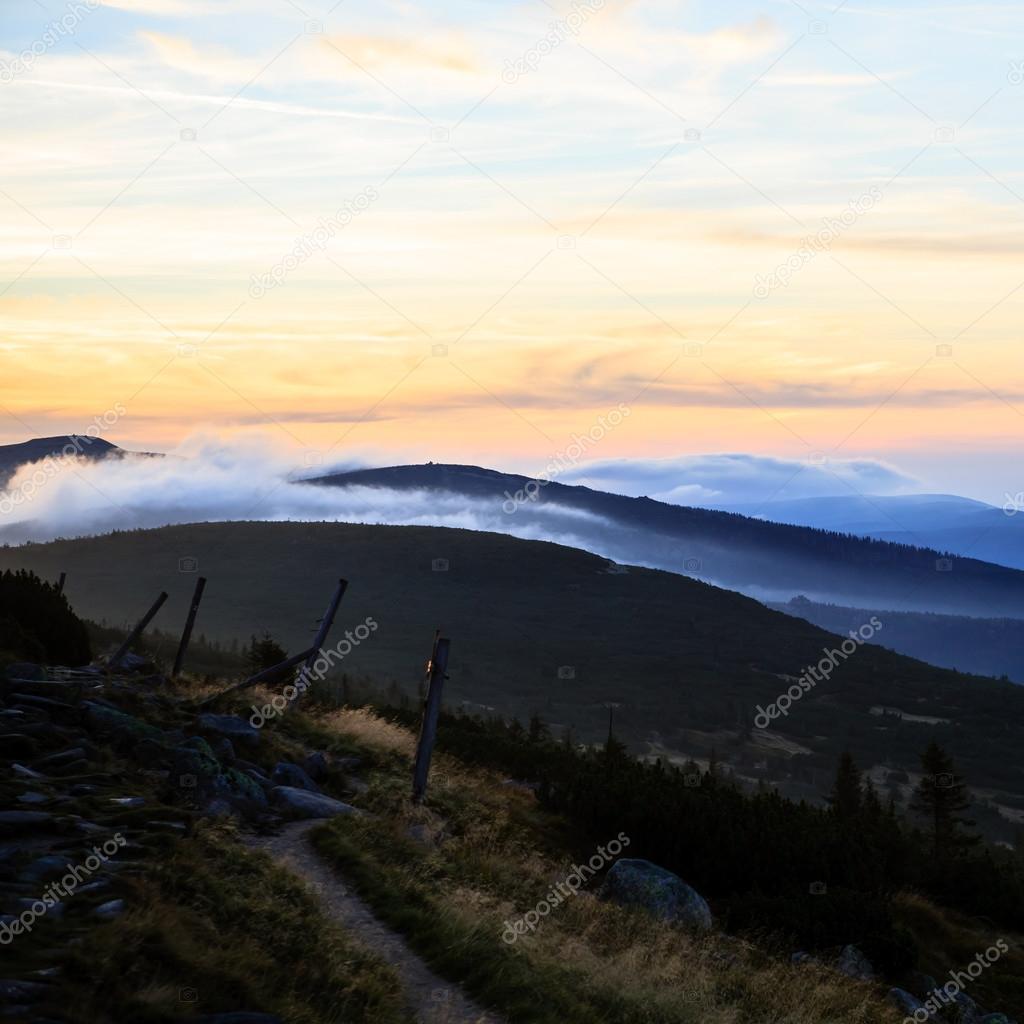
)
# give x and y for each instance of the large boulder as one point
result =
(286, 774)
(854, 964)
(905, 1002)
(641, 884)
(300, 803)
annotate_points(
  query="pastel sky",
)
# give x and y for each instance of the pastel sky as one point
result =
(546, 211)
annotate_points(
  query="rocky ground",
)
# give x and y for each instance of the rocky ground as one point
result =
(101, 775)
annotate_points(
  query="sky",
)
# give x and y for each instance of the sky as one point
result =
(467, 232)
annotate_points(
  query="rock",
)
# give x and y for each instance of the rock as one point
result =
(854, 964)
(12, 990)
(802, 959)
(23, 821)
(316, 765)
(42, 868)
(109, 910)
(32, 798)
(300, 803)
(25, 670)
(132, 663)
(968, 1010)
(906, 1003)
(224, 751)
(63, 757)
(22, 772)
(641, 884)
(231, 727)
(109, 721)
(286, 774)
(54, 910)
(218, 807)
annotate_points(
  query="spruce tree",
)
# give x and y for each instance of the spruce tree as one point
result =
(940, 798)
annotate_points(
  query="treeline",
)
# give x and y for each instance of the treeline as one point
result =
(37, 623)
(813, 877)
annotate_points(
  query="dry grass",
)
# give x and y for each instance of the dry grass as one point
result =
(482, 855)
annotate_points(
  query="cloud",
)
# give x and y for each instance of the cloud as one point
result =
(209, 480)
(447, 51)
(726, 479)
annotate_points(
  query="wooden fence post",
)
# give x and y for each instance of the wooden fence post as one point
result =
(186, 634)
(268, 675)
(60, 582)
(137, 631)
(325, 625)
(431, 713)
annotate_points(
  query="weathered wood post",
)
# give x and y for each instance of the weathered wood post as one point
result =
(60, 582)
(325, 624)
(431, 712)
(134, 635)
(186, 634)
(268, 675)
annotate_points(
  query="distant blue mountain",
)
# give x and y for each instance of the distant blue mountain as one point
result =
(944, 522)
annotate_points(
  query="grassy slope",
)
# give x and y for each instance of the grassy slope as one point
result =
(485, 854)
(686, 660)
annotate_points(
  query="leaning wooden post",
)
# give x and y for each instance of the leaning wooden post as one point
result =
(268, 675)
(186, 634)
(60, 582)
(325, 624)
(137, 631)
(431, 713)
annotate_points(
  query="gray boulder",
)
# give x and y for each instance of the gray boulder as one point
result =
(300, 803)
(316, 765)
(906, 1003)
(286, 774)
(854, 964)
(641, 884)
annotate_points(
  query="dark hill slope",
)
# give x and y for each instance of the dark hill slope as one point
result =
(768, 560)
(536, 626)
